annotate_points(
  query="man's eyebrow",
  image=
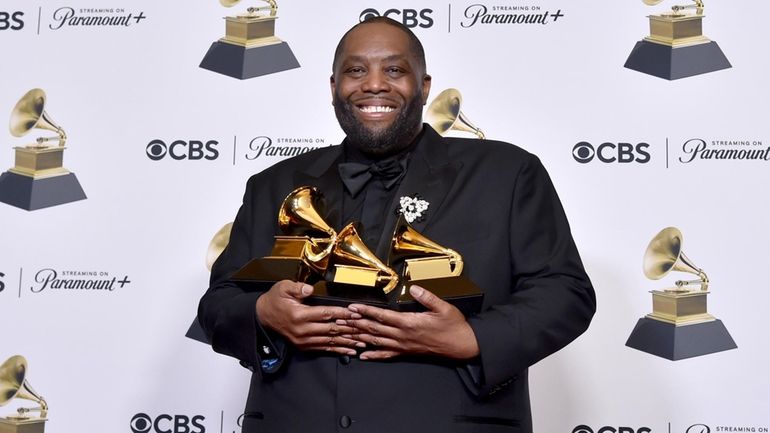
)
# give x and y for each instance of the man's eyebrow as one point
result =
(359, 59)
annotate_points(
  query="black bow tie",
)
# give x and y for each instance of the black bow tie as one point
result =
(356, 175)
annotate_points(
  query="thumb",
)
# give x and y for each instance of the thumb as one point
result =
(297, 290)
(426, 298)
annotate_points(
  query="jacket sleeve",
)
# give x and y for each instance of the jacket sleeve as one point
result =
(551, 299)
(227, 313)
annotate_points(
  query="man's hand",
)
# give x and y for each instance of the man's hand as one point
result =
(442, 330)
(307, 327)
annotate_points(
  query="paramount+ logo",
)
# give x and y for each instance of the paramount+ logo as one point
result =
(608, 153)
(191, 150)
(165, 423)
(409, 17)
(608, 429)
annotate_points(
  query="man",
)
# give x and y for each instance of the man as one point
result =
(364, 369)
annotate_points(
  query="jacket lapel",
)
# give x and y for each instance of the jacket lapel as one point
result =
(430, 175)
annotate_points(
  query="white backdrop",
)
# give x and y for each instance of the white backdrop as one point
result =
(102, 357)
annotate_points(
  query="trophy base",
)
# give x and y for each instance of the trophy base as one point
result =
(673, 63)
(24, 425)
(261, 274)
(28, 193)
(680, 342)
(242, 62)
(458, 291)
(342, 295)
(195, 332)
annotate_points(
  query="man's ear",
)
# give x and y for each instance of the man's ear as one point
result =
(426, 80)
(331, 85)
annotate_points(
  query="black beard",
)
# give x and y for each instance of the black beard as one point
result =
(396, 137)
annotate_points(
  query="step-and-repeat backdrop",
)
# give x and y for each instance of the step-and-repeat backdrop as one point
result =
(103, 242)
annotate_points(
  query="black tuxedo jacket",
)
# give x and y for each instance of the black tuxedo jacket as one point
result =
(490, 201)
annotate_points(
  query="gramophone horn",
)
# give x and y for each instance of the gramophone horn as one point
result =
(664, 254)
(408, 242)
(13, 384)
(29, 114)
(651, 2)
(218, 244)
(300, 215)
(229, 3)
(444, 114)
(350, 249)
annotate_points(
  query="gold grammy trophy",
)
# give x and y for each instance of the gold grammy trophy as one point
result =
(14, 384)
(38, 178)
(302, 253)
(433, 267)
(443, 114)
(250, 47)
(676, 47)
(354, 274)
(679, 326)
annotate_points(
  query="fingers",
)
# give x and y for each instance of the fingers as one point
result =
(327, 314)
(378, 354)
(379, 314)
(333, 349)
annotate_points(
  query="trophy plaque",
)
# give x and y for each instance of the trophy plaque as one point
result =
(676, 47)
(250, 47)
(14, 384)
(679, 326)
(443, 114)
(38, 179)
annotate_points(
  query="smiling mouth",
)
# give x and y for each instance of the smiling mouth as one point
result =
(376, 108)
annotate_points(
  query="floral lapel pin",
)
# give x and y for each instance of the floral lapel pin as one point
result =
(413, 208)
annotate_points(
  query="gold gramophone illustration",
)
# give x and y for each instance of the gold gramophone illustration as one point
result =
(679, 326)
(250, 48)
(218, 244)
(38, 178)
(443, 114)
(14, 384)
(676, 47)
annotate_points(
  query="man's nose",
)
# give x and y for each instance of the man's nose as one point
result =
(375, 82)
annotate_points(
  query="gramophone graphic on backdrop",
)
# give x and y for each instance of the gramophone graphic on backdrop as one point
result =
(250, 47)
(676, 47)
(15, 385)
(679, 326)
(38, 179)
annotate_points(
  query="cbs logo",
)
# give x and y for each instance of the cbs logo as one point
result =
(11, 20)
(179, 149)
(2, 283)
(584, 152)
(608, 429)
(165, 423)
(409, 17)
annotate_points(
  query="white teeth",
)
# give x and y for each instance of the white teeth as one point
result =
(376, 109)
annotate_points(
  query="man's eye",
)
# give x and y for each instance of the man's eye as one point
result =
(355, 70)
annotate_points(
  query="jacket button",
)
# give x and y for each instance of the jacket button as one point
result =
(344, 360)
(345, 421)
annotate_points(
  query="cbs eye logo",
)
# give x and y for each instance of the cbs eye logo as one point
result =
(624, 153)
(180, 149)
(608, 429)
(164, 423)
(409, 17)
